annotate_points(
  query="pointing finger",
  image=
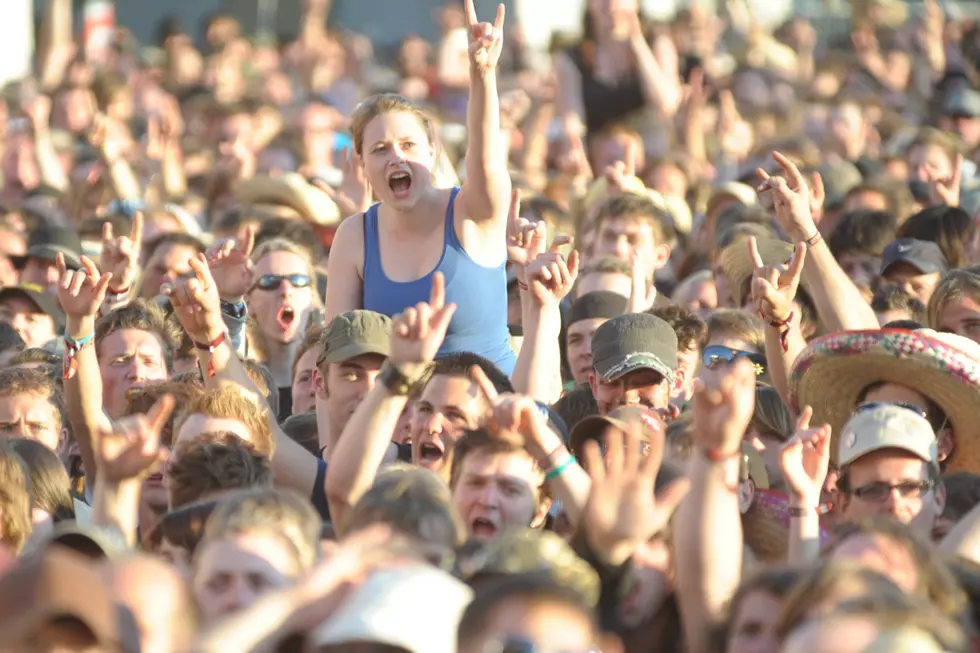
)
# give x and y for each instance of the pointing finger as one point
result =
(498, 23)
(803, 422)
(136, 234)
(754, 254)
(106, 232)
(160, 412)
(796, 263)
(437, 297)
(470, 11)
(483, 383)
(792, 172)
(559, 242)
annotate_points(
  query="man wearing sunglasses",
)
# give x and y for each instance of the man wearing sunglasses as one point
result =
(888, 466)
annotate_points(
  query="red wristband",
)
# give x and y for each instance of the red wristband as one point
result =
(783, 326)
(716, 455)
(210, 349)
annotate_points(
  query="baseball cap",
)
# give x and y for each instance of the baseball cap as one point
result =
(962, 101)
(732, 190)
(597, 304)
(838, 180)
(884, 426)
(652, 428)
(353, 334)
(44, 302)
(635, 341)
(58, 583)
(924, 255)
(88, 540)
(47, 242)
(386, 609)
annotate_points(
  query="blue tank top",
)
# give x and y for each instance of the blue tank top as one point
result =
(479, 325)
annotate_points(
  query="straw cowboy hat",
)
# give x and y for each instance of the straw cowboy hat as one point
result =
(737, 265)
(291, 191)
(834, 370)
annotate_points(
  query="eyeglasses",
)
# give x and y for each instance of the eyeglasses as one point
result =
(879, 492)
(273, 281)
(873, 405)
(522, 645)
(717, 355)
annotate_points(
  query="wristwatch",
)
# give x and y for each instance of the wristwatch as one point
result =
(395, 381)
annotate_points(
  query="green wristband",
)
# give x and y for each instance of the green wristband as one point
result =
(556, 472)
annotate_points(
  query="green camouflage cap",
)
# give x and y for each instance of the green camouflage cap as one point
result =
(637, 341)
(355, 333)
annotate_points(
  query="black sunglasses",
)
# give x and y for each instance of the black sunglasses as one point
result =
(872, 405)
(273, 281)
(880, 491)
(716, 355)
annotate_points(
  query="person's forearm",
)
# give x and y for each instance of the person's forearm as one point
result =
(708, 547)
(804, 533)
(56, 38)
(117, 505)
(253, 629)
(487, 180)
(172, 172)
(780, 361)
(535, 160)
(360, 451)
(83, 396)
(839, 303)
(52, 172)
(538, 369)
(659, 91)
(125, 185)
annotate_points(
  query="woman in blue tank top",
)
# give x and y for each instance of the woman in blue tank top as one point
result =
(383, 259)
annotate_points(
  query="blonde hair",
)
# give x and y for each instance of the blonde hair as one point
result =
(16, 502)
(740, 324)
(956, 285)
(377, 105)
(229, 402)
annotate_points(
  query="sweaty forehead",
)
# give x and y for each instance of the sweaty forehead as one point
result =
(393, 125)
(281, 262)
(452, 390)
(128, 341)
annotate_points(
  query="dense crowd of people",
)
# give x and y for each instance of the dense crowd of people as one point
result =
(670, 343)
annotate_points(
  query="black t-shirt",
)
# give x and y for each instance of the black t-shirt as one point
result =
(285, 403)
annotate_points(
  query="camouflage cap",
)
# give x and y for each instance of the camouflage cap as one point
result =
(355, 333)
(633, 342)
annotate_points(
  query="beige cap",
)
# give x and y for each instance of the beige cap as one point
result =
(885, 426)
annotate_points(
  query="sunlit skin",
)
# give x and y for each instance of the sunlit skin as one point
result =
(40, 272)
(962, 317)
(345, 387)
(688, 361)
(928, 162)
(913, 281)
(169, 260)
(129, 358)
(619, 236)
(267, 305)
(701, 297)
(668, 180)
(397, 142)
(33, 417)
(194, 425)
(615, 282)
(557, 626)
(578, 346)
(496, 491)
(448, 406)
(753, 628)
(231, 573)
(640, 387)
(866, 200)
(33, 326)
(768, 446)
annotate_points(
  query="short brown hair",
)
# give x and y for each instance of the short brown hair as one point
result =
(634, 205)
(140, 315)
(50, 485)
(182, 527)
(890, 297)
(214, 463)
(141, 399)
(35, 355)
(27, 381)
(376, 105)
(16, 522)
(691, 330)
(738, 323)
(486, 442)
(414, 501)
(311, 340)
(302, 429)
(229, 402)
(280, 513)
(928, 136)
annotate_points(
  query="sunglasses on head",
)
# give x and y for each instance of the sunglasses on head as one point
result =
(872, 405)
(717, 355)
(273, 281)
(522, 645)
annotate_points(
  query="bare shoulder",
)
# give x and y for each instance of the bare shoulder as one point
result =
(348, 242)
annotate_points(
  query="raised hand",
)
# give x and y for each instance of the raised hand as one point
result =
(525, 239)
(103, 137)
(196, 302)
(120, 256)
(622, 511)
(81, 292)
(418, 331)
(486, 40)
(230, 263)
(805, 460)
(774, 286)
(791, 198)
(643, 293)
(354, 195)
(724, 401)
(131, 448)
(947, 191)
(550, 277)
(38, 111)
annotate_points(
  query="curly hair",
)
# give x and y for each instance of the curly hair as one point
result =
(214, 463)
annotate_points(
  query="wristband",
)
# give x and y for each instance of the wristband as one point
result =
(394, 380)
(716, 455)
(803, 511)
(813, 240)
(521, 285)
(212, 370)
(72, 347)
(555, 472)
(783, 326)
